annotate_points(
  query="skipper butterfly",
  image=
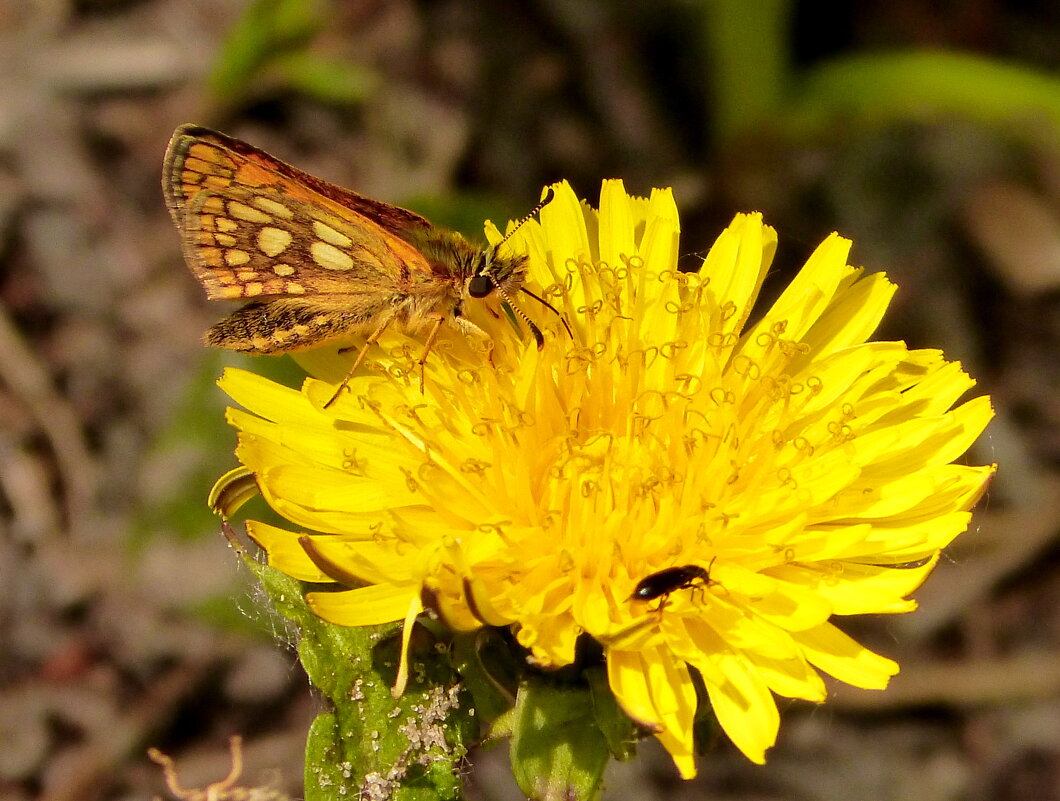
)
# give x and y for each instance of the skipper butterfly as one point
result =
(320, 263)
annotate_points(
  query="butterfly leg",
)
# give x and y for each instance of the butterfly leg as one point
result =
(372, 338)
(427, 348)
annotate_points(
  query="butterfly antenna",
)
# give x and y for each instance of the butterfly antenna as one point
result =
(550, 195)
(539, 338)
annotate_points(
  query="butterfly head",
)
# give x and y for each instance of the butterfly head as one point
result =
(480, 285)
(506, 275)
(495, 272)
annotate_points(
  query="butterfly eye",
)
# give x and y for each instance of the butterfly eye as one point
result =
(480, 285)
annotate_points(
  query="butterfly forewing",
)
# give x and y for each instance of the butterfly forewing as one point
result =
(201, 161)
(244, 243)
(320, 264)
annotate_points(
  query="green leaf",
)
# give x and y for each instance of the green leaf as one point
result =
(369, 745)
(886, 87)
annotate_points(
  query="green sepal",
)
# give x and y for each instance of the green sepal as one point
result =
(617, 727)
(557, 749)
(705, 728)
(490, 672)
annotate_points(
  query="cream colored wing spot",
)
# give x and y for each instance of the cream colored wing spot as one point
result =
(274, 241)
(226, 225)
(241, 211)
(291, 288)
(330, 235)
(273, 207)
(283, 270)
(330, 257)
(225, 240)
(253, 288)
(235, 257)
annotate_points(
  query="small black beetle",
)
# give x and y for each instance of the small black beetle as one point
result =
(671, 579)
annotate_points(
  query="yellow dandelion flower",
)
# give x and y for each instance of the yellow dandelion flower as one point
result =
(696, 493)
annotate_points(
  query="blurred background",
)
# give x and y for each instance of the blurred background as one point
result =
(929, 132)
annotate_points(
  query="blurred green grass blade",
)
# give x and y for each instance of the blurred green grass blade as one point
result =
(747, 62)
(267, 29)
(326, 80)
(872, 90)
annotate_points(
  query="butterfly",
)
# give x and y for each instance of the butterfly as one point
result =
(320, 263)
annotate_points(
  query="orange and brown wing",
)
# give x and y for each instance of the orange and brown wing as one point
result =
(254, 226)
(199, 158)
(244, 243)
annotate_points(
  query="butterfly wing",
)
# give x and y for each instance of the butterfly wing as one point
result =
(244, 243)
(254, 226)
(199, 158)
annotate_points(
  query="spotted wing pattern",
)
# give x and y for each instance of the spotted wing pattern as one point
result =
(254, 226)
